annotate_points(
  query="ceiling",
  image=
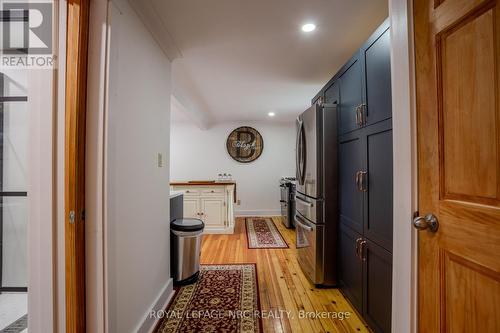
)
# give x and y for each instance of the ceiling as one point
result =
(238, 60)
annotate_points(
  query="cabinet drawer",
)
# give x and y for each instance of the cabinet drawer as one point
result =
(213, 191)
(188, 192)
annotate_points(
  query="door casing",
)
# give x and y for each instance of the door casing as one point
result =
(77, 30)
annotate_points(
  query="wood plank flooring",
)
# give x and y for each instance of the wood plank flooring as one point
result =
(282, 285)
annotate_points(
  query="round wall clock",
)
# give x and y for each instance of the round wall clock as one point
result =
(245, 144)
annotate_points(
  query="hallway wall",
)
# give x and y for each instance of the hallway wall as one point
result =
(136, 187)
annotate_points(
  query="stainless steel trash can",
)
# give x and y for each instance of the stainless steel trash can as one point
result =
(185, 243)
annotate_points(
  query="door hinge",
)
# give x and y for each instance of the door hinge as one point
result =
(72, 216)
(83, 215)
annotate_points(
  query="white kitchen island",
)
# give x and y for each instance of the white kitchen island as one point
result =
(212, 202)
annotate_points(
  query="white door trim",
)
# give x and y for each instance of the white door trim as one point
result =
(404, 275)
(46, 187)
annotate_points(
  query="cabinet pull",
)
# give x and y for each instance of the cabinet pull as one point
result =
(358, 181)
(357, 115)
(362, 252)
(364, 181)
(362, 111)
(358, 243)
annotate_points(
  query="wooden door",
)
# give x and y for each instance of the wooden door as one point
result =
(213, 212)
(457, 83)
(75, 115)
(192, 208)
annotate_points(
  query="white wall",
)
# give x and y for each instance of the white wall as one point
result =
(404, 267)
(136, 189)
(197, 154)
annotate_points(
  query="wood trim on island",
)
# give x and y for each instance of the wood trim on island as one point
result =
(206, 183)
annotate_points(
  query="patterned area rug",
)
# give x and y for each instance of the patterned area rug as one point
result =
(263, 234)
(225, 299)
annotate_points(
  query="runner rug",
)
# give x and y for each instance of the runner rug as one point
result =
(224, 299)
(263, 234)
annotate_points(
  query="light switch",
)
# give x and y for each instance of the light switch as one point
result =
(160, 160)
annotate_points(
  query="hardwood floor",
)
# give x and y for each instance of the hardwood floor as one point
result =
(282, 285)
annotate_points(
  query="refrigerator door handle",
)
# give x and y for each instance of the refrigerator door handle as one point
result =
(304, 202)
(300, 223)
(300, 154)
(297, 167)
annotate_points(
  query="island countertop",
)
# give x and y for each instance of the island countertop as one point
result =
(201, 182)
(205, 183)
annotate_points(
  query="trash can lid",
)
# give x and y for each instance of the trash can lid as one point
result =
(187, 225)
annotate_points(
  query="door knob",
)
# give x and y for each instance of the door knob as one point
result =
(428, 221)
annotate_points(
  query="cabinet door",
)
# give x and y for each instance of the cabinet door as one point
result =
(332, 93)
(377, 302)
(351, 94)
(351, 267)
(214, 210)
(351, 160)
(377, 76)
(191, 208)
(378, 200)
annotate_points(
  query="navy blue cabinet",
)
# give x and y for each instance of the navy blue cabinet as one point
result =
(351, 161)
(362, 89)
(351, 95)
(332, 94)
(351, 267)
(376, 54)
(377, 286)
(378, 199)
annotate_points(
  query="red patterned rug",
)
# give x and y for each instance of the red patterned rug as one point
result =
(224, 299)
(263, 234)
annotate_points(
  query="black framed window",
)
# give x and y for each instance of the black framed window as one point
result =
(13, 193)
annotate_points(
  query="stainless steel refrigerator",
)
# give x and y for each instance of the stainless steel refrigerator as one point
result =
(316, 200)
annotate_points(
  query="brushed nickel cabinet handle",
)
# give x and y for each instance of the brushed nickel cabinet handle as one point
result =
(362, 246)
(357, 115)
(364, 181)
(358, 181)
(358, 241)
(362, 114)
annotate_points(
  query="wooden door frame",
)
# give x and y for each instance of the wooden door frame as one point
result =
(77, 28)
(404, 286)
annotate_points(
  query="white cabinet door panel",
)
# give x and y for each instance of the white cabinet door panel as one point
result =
(191, 208)
(213, 211)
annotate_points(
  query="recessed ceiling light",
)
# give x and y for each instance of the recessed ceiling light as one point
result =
(271, 114)
(308, 27)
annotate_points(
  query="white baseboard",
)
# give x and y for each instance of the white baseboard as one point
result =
(149, 323)
(271, 212)
(218, 230)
